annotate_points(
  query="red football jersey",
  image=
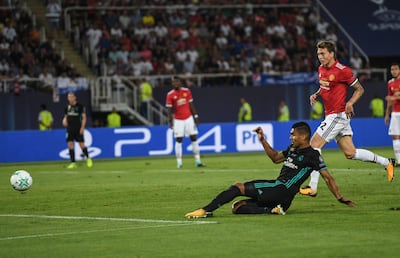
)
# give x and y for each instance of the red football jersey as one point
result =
(179, 100)
(334, 82)
(394, 90)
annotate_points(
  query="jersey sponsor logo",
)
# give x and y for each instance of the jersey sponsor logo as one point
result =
(324, 84)
(289, 163)
(181, 102)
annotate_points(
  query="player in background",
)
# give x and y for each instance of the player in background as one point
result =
(75, 122)
(393, 108)
(183, 119)
(276, 196)
(334, 79)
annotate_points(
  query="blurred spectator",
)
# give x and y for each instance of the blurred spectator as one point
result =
(9, 32)
(283, 112)
(146, 95)
(47, 80)
(53, 14)
(114, 119)
(245, 112)
(45, 118)
(125, 20)
(317, 111)
(22, 80)
(93, 34)
(356, 61)
(377, 107)
(4, 67)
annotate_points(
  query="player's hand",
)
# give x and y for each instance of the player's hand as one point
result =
(64, 122)
(260, 133)
(349, 110)
(313, 99)
(346, 201)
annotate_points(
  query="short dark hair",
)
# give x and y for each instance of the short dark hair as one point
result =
(43, 106)
(303, 128)
(395, 64)
(176, 77)
(328, 44)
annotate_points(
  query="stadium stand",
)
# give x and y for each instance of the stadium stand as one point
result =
(214, 43)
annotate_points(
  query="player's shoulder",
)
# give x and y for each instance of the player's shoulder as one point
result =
(171, 92)
(185, 89)
(391, 80)
(341, 66)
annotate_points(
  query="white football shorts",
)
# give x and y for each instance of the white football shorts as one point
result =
(394, 126)
(185, 127)
(335, 126)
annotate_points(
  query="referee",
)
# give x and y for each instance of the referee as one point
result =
(75, 121)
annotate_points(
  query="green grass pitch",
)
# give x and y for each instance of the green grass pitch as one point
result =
(135, 208)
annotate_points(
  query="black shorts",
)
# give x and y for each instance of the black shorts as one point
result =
(74, 135)
(269, 193)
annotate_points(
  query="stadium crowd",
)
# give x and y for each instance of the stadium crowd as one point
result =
(183, 37)
(159, 37)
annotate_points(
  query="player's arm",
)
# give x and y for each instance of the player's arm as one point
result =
(65, 121)
(169, 113)
(194, 112)
(275, 156)
(389, 107)
(83, 124)
(358, 92)
(330, 181)
(314, 96)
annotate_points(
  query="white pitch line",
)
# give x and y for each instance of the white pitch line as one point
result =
(107, 218)
(90, 231)
(167, 223)
(208, 169)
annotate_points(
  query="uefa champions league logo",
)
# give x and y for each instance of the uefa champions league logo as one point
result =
(384, 14)
(93, 151)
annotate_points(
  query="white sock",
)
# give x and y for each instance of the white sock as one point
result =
(366, 155)
(314, 177)
(314, 180)
(178, 152)
(396, 149)
(196, 151)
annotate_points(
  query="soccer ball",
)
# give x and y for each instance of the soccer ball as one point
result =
(21, 180)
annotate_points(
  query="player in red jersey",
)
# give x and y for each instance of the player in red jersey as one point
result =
(334, 79)
(393, 108)
(185, 119)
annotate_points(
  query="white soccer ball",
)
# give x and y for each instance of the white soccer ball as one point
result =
(21, 180)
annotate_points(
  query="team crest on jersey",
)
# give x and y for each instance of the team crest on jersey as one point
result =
(331, 77)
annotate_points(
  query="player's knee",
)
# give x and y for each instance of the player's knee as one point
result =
(193, 138)
(179, 139)
(349, 155)
(236, 205)
(240, 186)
